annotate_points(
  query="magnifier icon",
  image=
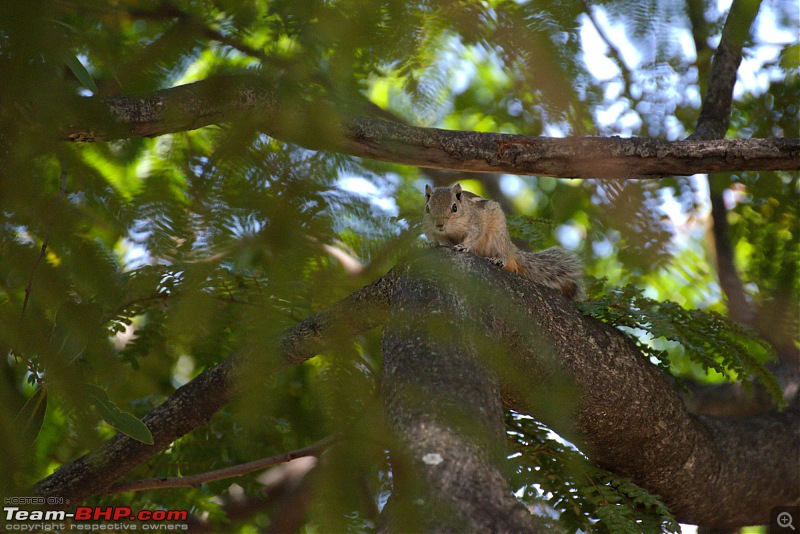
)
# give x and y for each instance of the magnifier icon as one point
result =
(785, 520)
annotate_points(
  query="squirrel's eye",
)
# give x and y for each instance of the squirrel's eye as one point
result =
(427, 209)
(455, 208)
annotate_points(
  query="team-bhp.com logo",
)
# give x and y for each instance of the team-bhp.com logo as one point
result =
(93, 518)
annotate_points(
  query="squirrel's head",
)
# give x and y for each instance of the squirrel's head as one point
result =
(444, 209)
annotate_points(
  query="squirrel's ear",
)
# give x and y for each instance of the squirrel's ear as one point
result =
(457, 191)
(428, 191)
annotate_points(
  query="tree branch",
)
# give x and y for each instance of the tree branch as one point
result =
(713, 124)
(730, 283)
(716, 109)
(193, 404)
(193, 481)
(284, 496)
(445, 411)
(712, 471)
(614, 51)
(627, 417)
(250, 100)
(736, 400)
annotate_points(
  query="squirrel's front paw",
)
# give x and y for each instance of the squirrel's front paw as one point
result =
(497, 261)
(461, 248)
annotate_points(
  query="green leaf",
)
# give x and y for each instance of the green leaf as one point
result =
(125, 422)
(711, 340)
(589, 498)
(74, 64)
(529, 229)
(790, 57)
(31, 416)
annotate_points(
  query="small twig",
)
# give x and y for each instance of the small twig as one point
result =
(349, 262)
(29, 285)
(166, 10)
(43, 250)
(616, 53)
(218, 474)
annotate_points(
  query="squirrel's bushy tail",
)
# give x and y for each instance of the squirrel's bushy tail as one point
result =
(554, 267)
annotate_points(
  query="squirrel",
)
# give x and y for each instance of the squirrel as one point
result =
(469, 223)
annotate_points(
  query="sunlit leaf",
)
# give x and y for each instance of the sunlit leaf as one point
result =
(79, 70)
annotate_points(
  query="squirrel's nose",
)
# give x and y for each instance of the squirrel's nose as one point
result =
(439, 226)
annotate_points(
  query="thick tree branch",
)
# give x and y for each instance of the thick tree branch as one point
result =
(250, 99)
(195, 403)
(713, 471)
(444, 408)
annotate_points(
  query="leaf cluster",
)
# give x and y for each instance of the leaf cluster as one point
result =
(709, 339)
(556, 480)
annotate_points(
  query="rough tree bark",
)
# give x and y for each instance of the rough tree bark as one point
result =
(626, 416)
(717, 472)
(443, 403)
(251, 100)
